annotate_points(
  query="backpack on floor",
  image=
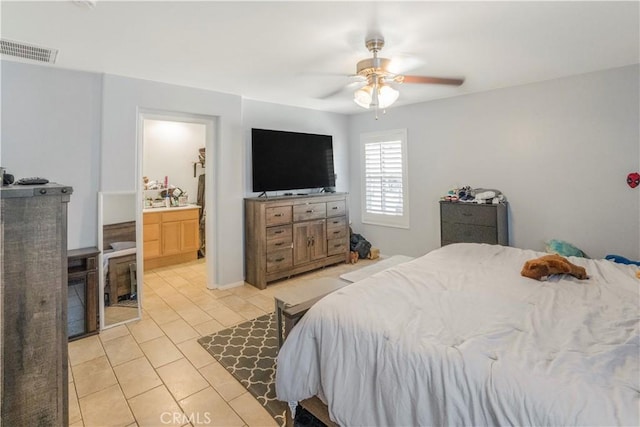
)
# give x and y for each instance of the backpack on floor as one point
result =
(360, 244)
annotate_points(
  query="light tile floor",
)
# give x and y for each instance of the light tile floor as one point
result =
(153, 372)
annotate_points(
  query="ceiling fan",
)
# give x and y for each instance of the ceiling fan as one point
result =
(375, 71)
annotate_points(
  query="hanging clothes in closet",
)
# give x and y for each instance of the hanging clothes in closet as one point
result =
(201, 197)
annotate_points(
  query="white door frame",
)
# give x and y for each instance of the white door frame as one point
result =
(212, 139)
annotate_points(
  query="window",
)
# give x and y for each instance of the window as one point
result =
(384, 178)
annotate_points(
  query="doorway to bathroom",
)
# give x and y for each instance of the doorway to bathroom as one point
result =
(176, 180)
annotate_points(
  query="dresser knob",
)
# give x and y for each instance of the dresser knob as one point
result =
(43, 191)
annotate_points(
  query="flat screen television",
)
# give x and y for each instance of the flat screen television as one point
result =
(284, 160)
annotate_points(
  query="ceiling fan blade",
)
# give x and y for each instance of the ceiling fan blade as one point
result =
(402, 63)
(430, 80)
(352, 85)
(344, 88)
(333, 93)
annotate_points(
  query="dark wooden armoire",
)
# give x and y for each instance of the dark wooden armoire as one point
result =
(33, 298)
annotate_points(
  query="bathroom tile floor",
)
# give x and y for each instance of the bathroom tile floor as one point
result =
(153, 372)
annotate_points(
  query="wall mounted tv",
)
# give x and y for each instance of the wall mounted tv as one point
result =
(290, 160)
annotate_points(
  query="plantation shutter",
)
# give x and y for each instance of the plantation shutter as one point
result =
(384, 185)
(383, 178)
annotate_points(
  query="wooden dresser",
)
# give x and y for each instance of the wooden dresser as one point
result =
(170, 236)
(292, 234)
(462, 222)
(33, 295)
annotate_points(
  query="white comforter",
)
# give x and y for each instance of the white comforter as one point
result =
(458, 337)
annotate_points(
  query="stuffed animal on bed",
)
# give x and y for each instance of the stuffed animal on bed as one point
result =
(551, 264)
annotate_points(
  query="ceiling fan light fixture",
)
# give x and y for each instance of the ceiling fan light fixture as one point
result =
(386, 95)
(363, 96)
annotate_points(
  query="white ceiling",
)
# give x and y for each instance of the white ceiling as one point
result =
(294, 53)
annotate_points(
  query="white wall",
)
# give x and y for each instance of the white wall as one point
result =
(170, 149)
(264, 115)
(560, 151)
(51, 128)
(124, 97)
(118, 207)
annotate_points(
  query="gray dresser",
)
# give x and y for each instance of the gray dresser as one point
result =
(33, 299)
(462, 222)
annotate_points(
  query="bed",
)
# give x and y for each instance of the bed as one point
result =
(458, 337)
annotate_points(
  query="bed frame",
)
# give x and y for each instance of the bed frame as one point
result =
(120, 232)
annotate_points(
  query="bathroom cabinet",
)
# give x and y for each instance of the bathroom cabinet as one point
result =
(170, 236)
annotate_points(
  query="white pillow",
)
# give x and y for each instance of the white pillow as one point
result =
(119, 246)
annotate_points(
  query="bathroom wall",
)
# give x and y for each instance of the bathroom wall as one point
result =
(171, 149)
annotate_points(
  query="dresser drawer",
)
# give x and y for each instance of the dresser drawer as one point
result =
(340, 222)
(278, 215)
(337, 246)
(336, 232)
(456, 233)
(180, 215)
(151, 218)
(336, 208)
(309, 211)
(467, 213)
(279, 260)
(278, 245)
(284, 232)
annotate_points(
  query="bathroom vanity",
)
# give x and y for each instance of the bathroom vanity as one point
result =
(170, 235)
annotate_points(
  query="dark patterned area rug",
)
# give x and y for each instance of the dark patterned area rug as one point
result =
(248, 351)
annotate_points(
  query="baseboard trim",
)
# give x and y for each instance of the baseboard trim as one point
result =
(230, 285)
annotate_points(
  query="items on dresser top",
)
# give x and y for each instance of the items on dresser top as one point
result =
(33, 180)
(474, 195)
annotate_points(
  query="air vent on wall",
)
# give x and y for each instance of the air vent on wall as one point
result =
(28, 51)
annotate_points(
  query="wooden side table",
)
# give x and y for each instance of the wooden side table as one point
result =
(82, 295)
